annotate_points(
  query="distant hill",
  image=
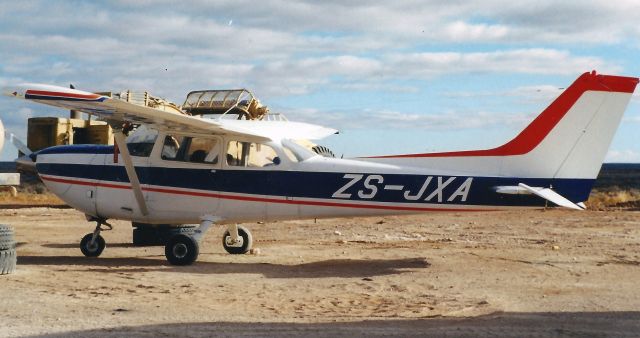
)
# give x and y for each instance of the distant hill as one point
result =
(621, 175)
(7, 167)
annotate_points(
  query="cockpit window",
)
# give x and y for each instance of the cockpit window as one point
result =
(140, 142)
(249, 154)
(203, 150)
(171, 147)
(299, 152)
(191, 149)
(290, 155)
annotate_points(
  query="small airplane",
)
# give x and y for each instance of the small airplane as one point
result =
(177, 168)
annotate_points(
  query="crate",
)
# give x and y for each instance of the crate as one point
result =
(44, 132)
(100, 134)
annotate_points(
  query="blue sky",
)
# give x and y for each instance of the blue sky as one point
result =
(392, 76)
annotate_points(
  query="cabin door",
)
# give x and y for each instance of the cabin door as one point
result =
(183, 178)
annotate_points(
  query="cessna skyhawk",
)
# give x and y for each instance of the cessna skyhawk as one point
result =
(178, 167)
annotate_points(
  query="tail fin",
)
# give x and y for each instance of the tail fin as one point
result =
(569, 139)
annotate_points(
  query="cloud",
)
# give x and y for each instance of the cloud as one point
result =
(386, 119)
(279, 48)
(525, 94)
(463, 31)
(291, 51)
(529, 61)
(523, 22)
(631, 119)
(305, 75)
(275, 28)
(623, 156)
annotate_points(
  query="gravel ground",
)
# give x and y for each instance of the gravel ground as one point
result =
(533, 273)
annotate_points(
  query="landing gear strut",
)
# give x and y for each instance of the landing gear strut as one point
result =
(183, 249)
(93, 244)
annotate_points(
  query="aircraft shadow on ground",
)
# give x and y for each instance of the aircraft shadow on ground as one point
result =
(348, 268)
(509, 324)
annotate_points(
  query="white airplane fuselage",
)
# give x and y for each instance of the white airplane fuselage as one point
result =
(87, 178)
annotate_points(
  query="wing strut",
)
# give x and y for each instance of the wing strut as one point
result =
(131, 171)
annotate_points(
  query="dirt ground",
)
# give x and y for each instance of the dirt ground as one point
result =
(534, 273)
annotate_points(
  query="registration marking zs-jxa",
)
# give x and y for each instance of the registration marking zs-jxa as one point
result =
(432, 189)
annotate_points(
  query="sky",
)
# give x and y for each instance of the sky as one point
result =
(392, 76)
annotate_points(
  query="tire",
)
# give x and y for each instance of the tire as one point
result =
(8, 260)
(7, 241)
(92, 250)
(181, 250)
(247, 242)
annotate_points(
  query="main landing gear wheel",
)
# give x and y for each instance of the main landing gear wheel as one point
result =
(242, 245)
(181, 250)
(94, 249)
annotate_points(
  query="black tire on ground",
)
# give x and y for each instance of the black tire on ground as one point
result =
(7, 261)
(92, 250)
(181, 250)
(247, 242)
(7, 242)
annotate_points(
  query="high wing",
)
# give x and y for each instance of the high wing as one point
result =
(117, 111)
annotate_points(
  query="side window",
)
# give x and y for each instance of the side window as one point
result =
(171, 147)
(191, 149)
(249, 154)
(203, 150)
(140, 143)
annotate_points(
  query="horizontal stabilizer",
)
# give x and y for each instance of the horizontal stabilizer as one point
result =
(552, 196)
(18, 144)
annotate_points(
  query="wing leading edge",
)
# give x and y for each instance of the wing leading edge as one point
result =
(117, 111)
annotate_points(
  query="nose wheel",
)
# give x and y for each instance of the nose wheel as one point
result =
(93, 244)
(91, 247)
(239, 244)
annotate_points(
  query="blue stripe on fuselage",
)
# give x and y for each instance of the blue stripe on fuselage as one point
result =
(77, 149)
(323, 185)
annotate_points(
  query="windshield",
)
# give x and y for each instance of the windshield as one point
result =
(301, 153)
